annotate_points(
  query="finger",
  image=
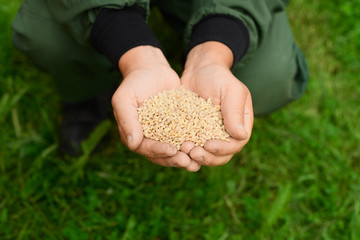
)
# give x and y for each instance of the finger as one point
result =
(249, 115)
(180, 160)
(121, 132)
(160, 161)
(125, 111)
(155, 149)
(205, 158)
(221, 148)
(194, 166)
(186, 147)
(232, 110)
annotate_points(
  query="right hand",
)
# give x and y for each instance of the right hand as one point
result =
(146, 72)
(207, 73)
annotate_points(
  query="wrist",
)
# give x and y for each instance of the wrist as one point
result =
(209, 53)
(141, 57)
(111, 37)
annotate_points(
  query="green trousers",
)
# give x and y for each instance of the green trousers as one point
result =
(276, 73)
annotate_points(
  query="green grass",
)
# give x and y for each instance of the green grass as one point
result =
(298, 178)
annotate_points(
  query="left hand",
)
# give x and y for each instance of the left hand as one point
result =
(146, 72)
(207, 73)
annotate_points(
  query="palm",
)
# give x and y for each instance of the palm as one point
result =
(136, 87)
(144, 83)
(219, 84)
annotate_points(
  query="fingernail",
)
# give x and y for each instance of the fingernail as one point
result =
(173, 150)
(200, 160)
(242, 129)
(129, 139)
(211, 150)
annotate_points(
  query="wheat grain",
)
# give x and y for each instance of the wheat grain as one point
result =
(178, 115)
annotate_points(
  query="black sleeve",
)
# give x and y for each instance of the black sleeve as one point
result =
(115, 31)
(222, 28)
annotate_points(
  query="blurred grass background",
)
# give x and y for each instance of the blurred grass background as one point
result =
(298, 178)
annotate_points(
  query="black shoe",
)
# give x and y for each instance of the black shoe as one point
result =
(80, 119)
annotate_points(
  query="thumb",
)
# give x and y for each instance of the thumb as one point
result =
(233, 110)
(125, 112)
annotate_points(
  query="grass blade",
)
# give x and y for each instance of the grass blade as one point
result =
(355, 222)
(89, 145)
(278, 207)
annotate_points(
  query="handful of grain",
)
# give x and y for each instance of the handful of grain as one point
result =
(180, 115)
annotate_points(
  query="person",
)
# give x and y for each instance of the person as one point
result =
(241, 54)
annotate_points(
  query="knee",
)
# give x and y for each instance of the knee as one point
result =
(42, 48)
(30, 43)
(33, 48)
(21, 41)
(274, 84)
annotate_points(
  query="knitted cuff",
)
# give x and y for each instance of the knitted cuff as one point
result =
(115, 31)
(222, 28)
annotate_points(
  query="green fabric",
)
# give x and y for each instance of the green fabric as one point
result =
(276, 73)
(78, 15)
(78, 70)
(54, 34)
(274, 68)
(255, 14)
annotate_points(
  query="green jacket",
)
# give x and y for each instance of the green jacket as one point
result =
(79, 15)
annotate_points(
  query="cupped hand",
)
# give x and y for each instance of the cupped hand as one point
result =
(146, 72)
(207, 72)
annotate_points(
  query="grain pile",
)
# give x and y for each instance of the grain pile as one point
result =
(180, 115)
